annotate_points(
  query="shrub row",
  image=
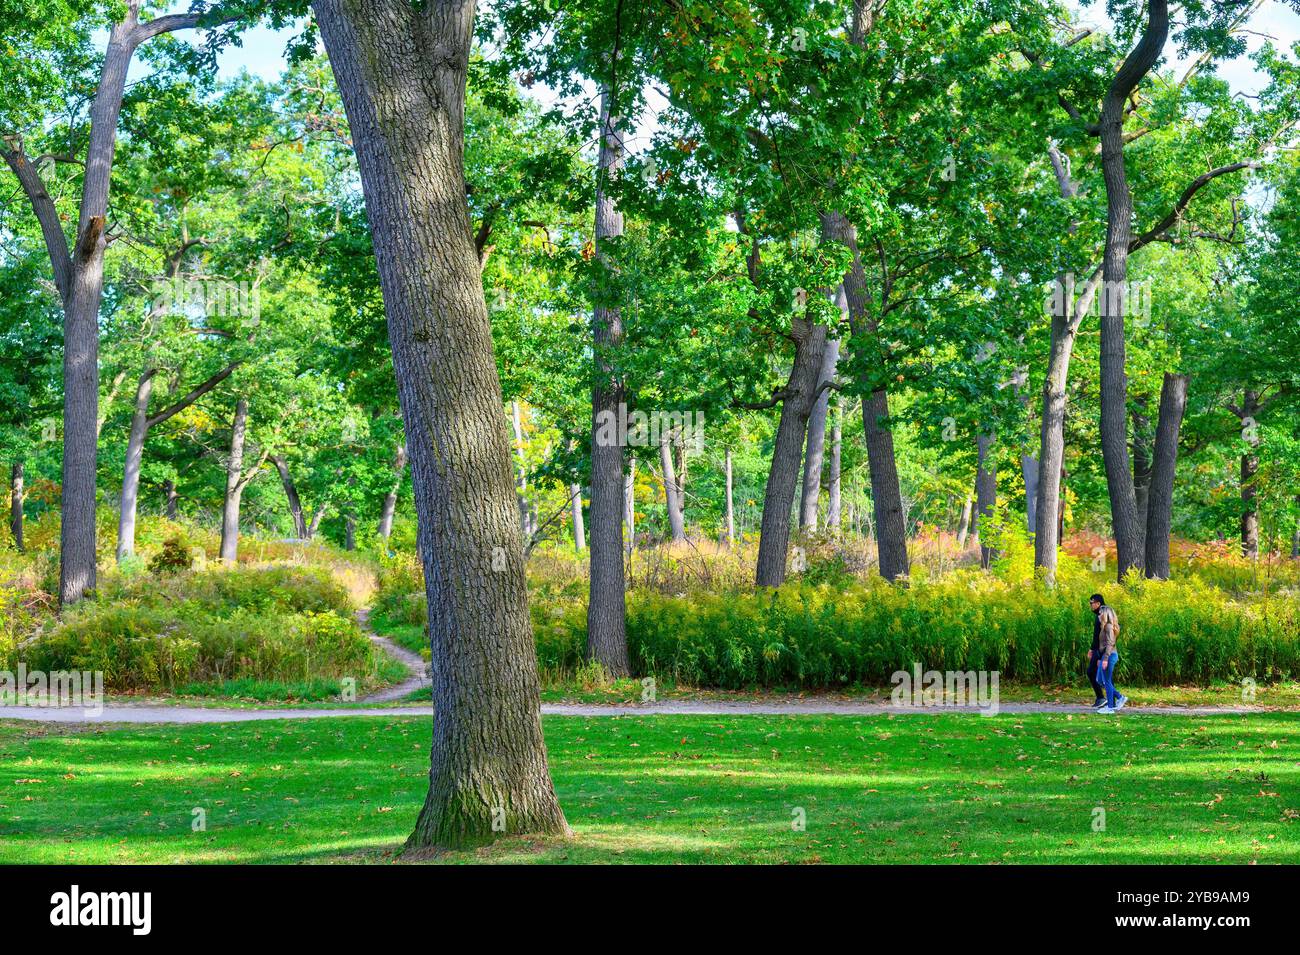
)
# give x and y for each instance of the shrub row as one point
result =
(848, 633)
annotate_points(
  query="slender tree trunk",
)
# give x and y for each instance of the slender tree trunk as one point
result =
(886, 490)
(1295, 538)
(1160, 500)
(291, 495)
(579, 533)
(16, 504)
(815, 452)
(1142, 440)
(141, 422)
(170, 509)
(1029, 472)
(234, 484)
(527, 519)
(1119, 234)
(401, 70)
(986, 494)
(672, 493)
(833, 486)
(1250, 407)
(390, 499)
(629, 504)
(606, 604)
(313, 527)
(963, 524)
(778, 499)
(350, 531)
(1067, 314)
(131, 472)
(730, 503)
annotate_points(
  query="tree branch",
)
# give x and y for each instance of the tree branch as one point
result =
(1171, 219)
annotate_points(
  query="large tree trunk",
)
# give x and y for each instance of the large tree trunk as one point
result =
(986, 494)
(579, 532)
(833, 480)
(886, 490)
(291, 495)
(131, 472)
(778, 499)
(1119, 234)
(234, 484)
(606, 603)
(401, 70)
(390, 499)
(730, 503)
(672, 491)
(16, 504)
(1160, 499)
(814, 454)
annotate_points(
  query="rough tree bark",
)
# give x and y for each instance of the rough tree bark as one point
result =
(1160, 496)
(401, 70)
(16, 504)
(796, 404)
(390, 499)
(606, 603)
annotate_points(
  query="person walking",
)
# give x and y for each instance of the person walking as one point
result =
(1103, 657)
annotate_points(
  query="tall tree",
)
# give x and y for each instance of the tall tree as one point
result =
(488, 766)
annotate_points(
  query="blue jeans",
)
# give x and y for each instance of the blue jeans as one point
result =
(1106, 677)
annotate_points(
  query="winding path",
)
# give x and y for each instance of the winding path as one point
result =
(419, 679)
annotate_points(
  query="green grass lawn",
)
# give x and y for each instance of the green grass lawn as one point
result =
(915, 788)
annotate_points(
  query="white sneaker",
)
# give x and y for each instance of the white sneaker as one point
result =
(1119, 703)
